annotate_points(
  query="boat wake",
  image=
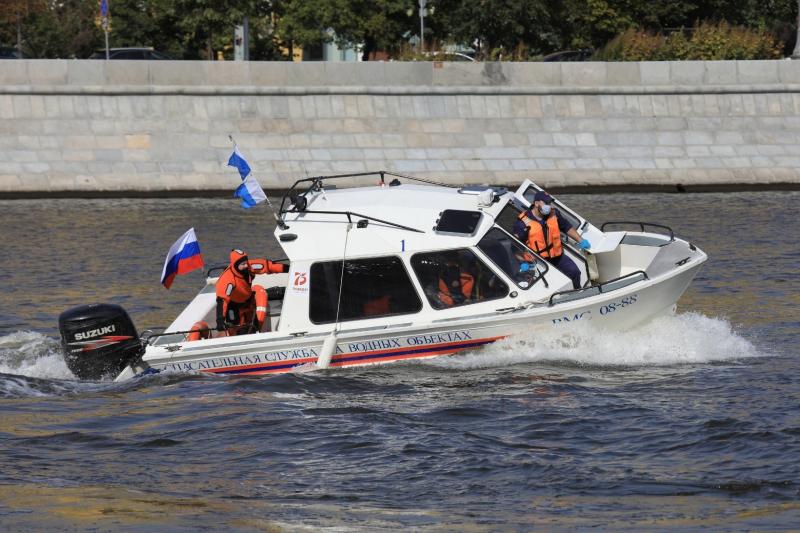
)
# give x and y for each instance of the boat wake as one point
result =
(687, 338)
(31, 354)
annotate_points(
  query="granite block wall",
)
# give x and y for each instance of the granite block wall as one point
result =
(73, 125)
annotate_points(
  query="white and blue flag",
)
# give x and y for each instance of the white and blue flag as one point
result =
(238, 161)
(250, 192)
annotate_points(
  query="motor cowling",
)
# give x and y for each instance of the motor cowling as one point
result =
(98, 340)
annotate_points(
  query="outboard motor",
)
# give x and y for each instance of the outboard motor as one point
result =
(98, 340)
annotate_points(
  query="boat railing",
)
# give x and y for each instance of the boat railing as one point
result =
(294, 201)
(594, 290)
(152, 337)
(361, 223)
(220, 268)
(296, 198)
(173, 337)
(577, 252)
(642, 226)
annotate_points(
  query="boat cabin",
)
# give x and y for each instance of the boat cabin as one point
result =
(406, 251)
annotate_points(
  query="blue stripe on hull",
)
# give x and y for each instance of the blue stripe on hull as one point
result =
(362, 357)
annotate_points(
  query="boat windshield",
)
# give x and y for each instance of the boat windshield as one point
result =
(574, 220)
(511, 257)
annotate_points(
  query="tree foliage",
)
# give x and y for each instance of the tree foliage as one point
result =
(369, 24)
(594, 22)
(500, 25)
(519, 29)
(60, 29)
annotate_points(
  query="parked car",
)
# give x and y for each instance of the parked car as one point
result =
(11, 52)
(130, 53)
(448, 56)
(570, 55)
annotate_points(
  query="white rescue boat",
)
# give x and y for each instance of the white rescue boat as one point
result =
(389, 246)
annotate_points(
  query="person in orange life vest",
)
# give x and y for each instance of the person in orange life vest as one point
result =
(378, 306)
(540, 227)
(236, 302)
(455, 283)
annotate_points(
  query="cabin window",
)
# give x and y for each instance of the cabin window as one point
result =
(511, 257)
(374, 287)
(457, 222)
(456, 277)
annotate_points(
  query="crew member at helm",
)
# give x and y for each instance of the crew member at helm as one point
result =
(241, 306)
(540, 227)
(455, 284)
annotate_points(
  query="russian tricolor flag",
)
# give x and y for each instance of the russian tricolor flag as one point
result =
(184, 256)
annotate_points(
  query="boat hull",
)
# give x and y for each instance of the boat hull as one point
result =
(620, 309)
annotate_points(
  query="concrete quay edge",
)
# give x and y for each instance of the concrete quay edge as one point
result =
(410, 90)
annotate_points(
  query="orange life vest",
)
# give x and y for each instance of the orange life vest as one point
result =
(450, 298)
(546, 244)
(236, 303)
(378, 306)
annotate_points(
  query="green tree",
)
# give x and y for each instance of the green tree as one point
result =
(66, 29)
(505, 25)
(207, 25)
(370, 24)
(776, 16)
(751, 13)
(145, 23)
(13, 13)
(591, 23)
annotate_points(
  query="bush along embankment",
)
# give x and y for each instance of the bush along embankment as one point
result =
(705, 41)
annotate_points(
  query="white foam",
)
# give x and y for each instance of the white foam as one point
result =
(687, 338)
(31, 354)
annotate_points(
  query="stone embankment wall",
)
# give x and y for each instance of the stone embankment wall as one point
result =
(72, 125)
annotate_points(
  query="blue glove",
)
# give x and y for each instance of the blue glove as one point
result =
(524, 267)
(585, 245)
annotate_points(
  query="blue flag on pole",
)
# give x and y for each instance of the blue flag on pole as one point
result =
(250, 192)
(237, 161)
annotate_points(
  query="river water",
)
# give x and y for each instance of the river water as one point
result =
(691, 422)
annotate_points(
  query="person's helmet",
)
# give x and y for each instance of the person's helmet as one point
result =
(240, 264)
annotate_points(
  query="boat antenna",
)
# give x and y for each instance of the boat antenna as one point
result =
(329, 346)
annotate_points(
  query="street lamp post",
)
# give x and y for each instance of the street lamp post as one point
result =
(796, 52)
(422, 13)
(104, 14)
